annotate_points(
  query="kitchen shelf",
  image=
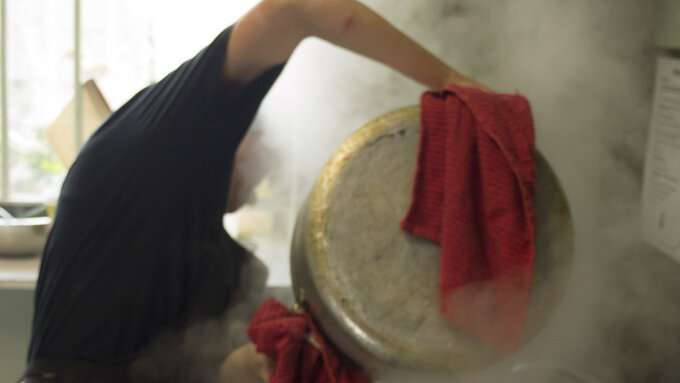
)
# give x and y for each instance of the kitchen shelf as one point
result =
(19, 273)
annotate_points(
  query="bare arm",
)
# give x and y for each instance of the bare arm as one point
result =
(268, 34)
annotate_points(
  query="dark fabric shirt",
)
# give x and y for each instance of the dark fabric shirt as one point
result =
(138, 245)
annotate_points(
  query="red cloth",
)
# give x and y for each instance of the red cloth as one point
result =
(474, 194)
(283, 335)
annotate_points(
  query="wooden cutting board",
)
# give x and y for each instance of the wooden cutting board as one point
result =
(61, 134)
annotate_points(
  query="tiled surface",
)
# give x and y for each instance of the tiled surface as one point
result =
(16, 314)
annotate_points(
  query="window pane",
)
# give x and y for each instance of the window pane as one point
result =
(125, 46)
(128, 44)
(40, 84)
(117, 47)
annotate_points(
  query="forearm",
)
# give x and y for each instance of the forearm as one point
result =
(353, 26)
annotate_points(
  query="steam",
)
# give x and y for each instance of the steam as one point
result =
(195, 354)
(587, 69)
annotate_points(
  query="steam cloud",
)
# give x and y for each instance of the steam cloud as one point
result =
(195, 354)
(587, 68)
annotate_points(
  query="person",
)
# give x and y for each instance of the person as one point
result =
(137, 245)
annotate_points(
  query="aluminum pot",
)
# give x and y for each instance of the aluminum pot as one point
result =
(372, 288)
(23, 229)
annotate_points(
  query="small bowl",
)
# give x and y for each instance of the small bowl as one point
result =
(23, 229)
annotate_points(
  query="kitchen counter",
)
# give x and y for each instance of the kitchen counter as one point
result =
(19, 273)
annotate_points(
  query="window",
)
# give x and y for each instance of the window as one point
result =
(38, 63)
(124, 45)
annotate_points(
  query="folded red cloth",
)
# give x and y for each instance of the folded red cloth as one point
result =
(301, 353)
(474, 194)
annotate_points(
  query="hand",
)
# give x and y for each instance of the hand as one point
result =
(246, 365)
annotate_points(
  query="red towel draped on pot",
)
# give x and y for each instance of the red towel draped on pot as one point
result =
(301, 353)
(474, 194)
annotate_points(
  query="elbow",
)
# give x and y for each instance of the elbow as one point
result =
(349, 22)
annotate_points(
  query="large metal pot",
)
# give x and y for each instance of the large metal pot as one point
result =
(373, 288)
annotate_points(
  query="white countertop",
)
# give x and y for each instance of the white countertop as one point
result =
(19, 273)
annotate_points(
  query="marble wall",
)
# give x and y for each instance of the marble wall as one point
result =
(587, 68)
